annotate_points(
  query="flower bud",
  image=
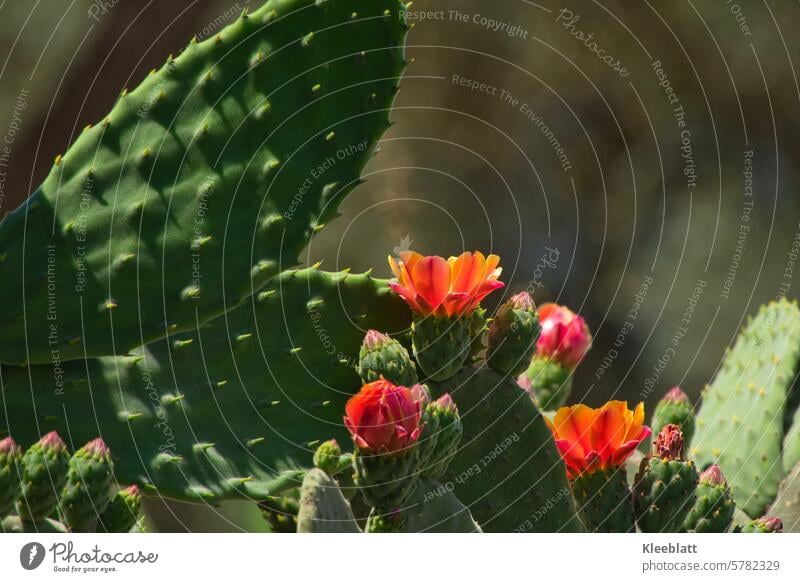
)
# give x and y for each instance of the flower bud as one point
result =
(45, 465)
(383, 418)
(121, 514)
(512, 335)
(713, 476)
(675, 408)
(565, 337)
(327, 457)
(87, 491)
(384, 357)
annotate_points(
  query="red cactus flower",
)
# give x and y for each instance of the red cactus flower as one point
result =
(565, 336)
(433, 285)
(669, 443)
(383, 418)
(592, 439)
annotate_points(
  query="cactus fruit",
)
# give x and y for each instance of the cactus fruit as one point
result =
(384, 357)
(764, 525)
(507, 470)
(45, 466)
(441, 345)
(740, 423)
(10, 468)
(675, 408)
(604, 500)
(209, 162)
(122, 512)
(548, 383)
(323, 508)
(443, 414)
(512, 335)
(232, 410)
(664, 488)
(714, 507)
(87, 492)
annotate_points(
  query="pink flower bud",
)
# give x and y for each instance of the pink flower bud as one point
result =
(375, 339)
(522, 301)
(565, 337)
(713, 476)
(676, 395)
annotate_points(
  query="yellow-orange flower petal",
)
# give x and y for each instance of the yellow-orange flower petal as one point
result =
(593, 439)
(452, 287)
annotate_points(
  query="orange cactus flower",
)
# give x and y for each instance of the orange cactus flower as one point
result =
(433, 285)
(592, 439)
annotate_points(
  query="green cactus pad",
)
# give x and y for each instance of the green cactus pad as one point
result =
(663, 494)
(122, 512)
(740, 423)
(550, 383)
(791, 444)
(507, 470)
(45, 466)
(10, 487)
(88, 490)
(280, 512)
(441, 345)
(231, 410)
(787, 503)
(323, 508)
(202, 183)
(604, 501)
(434, 509)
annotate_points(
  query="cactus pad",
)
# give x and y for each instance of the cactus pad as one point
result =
(323, 508)
(223, 412)
(740, 424)
(507, 470)
(202, 183)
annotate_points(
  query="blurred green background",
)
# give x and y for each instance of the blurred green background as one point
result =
(633, 160)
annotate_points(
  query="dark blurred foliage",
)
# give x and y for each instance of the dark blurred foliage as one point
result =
(478, 169)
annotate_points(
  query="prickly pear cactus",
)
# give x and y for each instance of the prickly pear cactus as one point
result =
(202, 183)
(740, 423)
(791, 444)
(323, 508)
(507, 470)
(229, 411)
